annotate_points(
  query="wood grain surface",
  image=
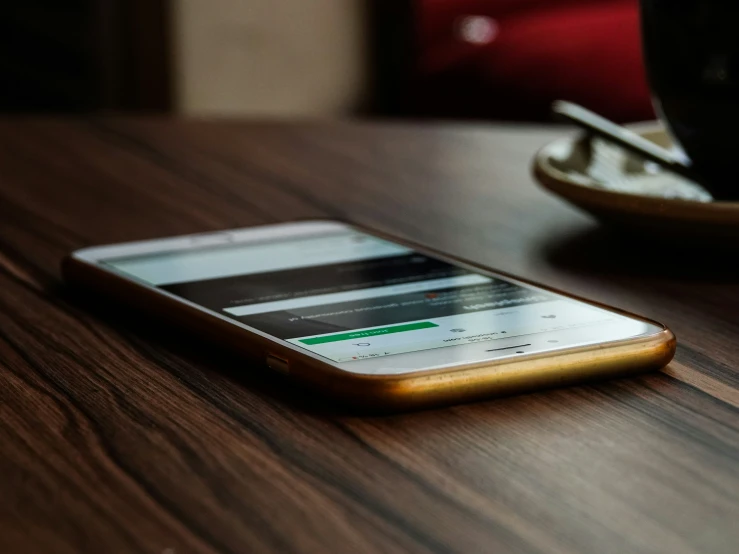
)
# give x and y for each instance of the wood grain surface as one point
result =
(117, 435)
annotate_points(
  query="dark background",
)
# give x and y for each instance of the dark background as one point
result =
(85, 55)
(88, 56)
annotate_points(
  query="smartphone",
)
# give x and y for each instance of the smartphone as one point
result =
(369, 319)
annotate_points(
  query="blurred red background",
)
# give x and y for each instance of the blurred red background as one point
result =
(481, 59)
(508, 59)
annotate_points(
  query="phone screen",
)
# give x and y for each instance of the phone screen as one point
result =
(348, 296)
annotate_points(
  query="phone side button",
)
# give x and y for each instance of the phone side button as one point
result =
(277, 364)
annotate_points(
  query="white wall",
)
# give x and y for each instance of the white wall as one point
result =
(269, 57)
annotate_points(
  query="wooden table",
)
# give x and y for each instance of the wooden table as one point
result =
(119, 436)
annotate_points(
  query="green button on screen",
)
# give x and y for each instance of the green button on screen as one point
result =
(370, 333)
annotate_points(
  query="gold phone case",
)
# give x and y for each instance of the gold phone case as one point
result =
(460, 383)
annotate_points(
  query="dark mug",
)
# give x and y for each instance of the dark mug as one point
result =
(692, 56)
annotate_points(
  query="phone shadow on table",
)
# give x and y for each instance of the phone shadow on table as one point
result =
(623, 254)
(212, 372)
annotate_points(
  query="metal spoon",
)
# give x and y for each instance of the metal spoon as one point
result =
(610, 131)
